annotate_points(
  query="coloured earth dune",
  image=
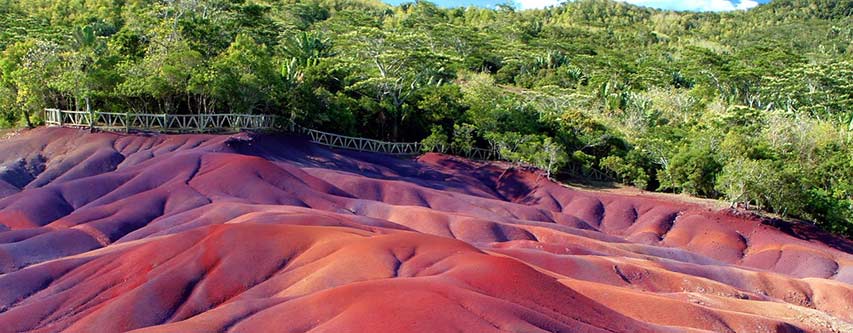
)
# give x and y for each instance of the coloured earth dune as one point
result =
(264, 233)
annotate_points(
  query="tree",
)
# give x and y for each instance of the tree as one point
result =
(763, 182)
(437, 141)
(442, 104)
(463, 138)
(164, 75)
(533, 150)
(551, 156)
(744, 180)
(306, 48)
(244, 77)
(81, 60)
(494, 109)
(822, 90)
(303, 51)
(29, 69)
(693, 169)
(627, 172)
(396, 65)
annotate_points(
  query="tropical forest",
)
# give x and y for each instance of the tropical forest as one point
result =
(752, 107)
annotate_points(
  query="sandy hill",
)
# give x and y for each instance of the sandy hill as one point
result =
(250, 233)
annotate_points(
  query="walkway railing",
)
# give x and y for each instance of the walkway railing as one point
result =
(113, 121)
(225, 122)
(359, 144)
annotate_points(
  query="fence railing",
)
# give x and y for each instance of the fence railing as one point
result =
(359, 144)
(223, 122)
(113, 121)
(472, 153)
(159, 122)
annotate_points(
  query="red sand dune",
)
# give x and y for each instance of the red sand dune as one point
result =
(251, 233)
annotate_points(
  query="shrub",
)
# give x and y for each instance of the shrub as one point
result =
(692, 170)
(627, 172)
(435, 142)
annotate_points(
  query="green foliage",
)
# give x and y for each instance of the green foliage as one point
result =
(27, 70)
(745, 180)
(627, 172)
(547, 155)
(244, 77)
(437, 141)
(164, 75)
(306, 48)
(463, 138)
(693, 169)
(820, 90)
(530, 149)
(754, 106)
(584, 160)
(764, 183)
(832, 210)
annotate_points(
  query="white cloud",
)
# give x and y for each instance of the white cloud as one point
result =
(698, 5)
(747, 4)
(528, 4)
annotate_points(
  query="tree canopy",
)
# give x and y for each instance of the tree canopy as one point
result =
(752, 106)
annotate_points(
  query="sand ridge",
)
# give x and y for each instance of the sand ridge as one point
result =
(248, 232)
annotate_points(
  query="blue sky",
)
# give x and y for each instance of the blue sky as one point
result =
(698, 5)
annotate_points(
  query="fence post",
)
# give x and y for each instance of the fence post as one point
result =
(91, 116)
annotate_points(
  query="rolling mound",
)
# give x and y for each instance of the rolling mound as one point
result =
(249, 233)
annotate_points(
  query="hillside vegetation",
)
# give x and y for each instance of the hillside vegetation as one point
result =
(755, 107)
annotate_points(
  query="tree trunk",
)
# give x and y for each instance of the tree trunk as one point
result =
(27, 118)
(395, 129)
(91, 115)
(382, 123)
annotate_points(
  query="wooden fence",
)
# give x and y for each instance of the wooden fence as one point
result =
(229, 122)
(112, 121)
(359, 144)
